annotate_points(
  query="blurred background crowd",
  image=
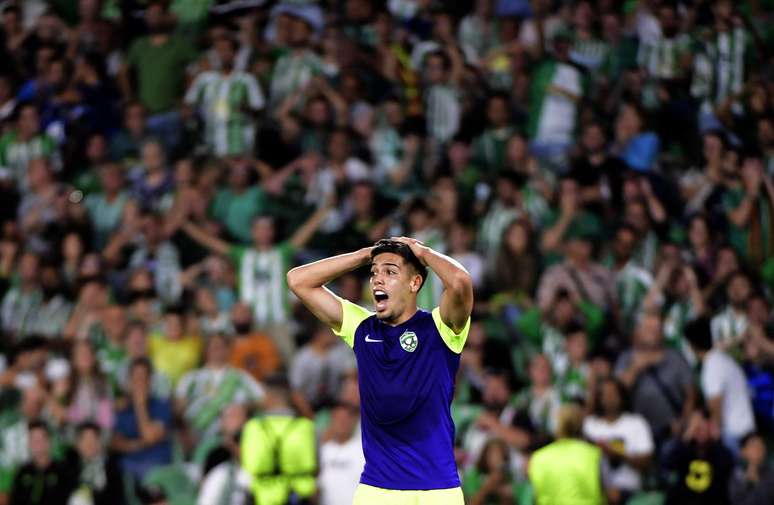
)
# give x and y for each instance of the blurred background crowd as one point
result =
(602, 168)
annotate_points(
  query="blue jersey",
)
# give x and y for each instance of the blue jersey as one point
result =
(406, 378)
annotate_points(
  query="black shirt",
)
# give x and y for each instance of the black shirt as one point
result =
(33, 486)
(701, 474)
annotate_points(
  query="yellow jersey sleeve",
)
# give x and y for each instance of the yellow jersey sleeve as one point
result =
(454, 341)
(351, 317)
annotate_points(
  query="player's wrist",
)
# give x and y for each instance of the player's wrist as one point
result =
(420, 251)
(365, 255)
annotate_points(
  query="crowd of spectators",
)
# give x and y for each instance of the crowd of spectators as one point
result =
(603, 169)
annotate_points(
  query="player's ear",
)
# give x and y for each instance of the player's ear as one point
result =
(416, 283)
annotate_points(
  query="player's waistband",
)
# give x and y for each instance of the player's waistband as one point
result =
(372, 495)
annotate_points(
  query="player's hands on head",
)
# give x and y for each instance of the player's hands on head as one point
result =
(416, 246)
(365, 254)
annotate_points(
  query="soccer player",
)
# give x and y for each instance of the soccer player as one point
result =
(407, 360)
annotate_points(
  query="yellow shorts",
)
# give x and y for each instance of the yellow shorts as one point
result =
(369, 495)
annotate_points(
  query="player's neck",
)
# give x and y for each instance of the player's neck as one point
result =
(405, 316)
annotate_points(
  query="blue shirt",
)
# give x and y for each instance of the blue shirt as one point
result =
(138, 463)
(641, 152)
(406, 378)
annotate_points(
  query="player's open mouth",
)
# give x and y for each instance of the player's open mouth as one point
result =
(380, 299)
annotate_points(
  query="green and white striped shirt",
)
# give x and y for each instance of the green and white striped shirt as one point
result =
(477, 37)
(387, 148)
(19, 309)
(492, 227)
(489, 148)
(631, 284)
(262, 282)
(443, 112)
(676, 316)
(205, 392)
(589, 53)
(50, 318)
(719, 71)
(556, 90)
(293, 71)
(661, 57)
(15, 154)
(222, 98)
(728, 327)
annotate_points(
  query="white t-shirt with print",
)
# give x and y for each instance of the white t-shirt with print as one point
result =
(340, 469)
(630, 430)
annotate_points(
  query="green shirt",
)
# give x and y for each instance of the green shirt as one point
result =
(237, 211)
(160, 71)
(754, 242)
(105, 216)
(190, 11)
(111, 357)
(532, 326)
(489, 148)
(584, 223)
(473, 480)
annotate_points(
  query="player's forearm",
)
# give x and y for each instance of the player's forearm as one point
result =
(319, 273)
(452, 274)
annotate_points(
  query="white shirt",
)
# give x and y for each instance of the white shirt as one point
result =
(633, 433)
(225, 484)
(474, 264)
(721, 376)
(340, 469)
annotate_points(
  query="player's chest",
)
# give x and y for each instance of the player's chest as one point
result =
(393, 349)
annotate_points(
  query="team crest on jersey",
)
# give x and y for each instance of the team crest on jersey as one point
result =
(409, 341)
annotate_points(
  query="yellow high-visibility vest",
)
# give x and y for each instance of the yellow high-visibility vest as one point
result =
(280, 454)
(566, 472)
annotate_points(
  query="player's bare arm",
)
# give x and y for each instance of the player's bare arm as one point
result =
(457, 298)
(308, 283)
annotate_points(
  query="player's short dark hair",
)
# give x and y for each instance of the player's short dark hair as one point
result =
(393, 246)
(699, 334)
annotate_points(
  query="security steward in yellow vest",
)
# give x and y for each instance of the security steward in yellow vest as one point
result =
(279, 450)
(567, 471)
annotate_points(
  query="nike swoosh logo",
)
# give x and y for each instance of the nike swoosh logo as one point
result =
(369, 339)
